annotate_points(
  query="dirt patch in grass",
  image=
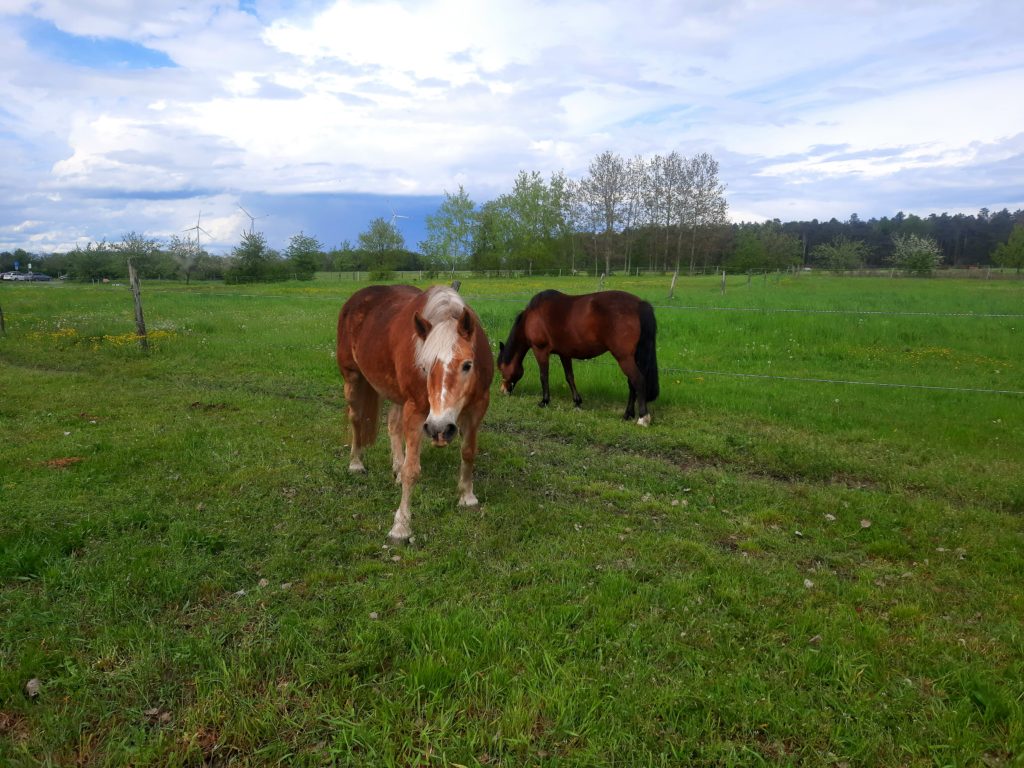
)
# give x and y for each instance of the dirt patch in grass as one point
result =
(64, 462)
(14, 727)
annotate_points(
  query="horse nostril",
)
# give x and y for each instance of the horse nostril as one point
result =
(449, 432)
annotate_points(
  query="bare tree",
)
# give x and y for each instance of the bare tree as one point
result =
(704, 204)
(633, 205)
(665, 186)
(605, 193)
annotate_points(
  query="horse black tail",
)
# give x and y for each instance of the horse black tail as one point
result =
(646, 351)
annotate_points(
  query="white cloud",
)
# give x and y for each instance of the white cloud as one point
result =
(400, 98)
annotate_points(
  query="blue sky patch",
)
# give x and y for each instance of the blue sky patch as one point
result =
(94, 52)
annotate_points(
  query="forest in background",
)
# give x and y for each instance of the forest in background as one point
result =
(659, 214)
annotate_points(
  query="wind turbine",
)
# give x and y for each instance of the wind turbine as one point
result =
(197, 229)
(252, 219)
(396, 215)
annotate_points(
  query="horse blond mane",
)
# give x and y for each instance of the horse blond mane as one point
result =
(442, 309)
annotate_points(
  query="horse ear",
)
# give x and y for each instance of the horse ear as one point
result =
(466, 324)
(423, 326)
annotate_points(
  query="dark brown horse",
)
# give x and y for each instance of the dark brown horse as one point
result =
(427, 353)
(582, 327)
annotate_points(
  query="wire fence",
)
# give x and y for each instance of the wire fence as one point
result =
(518, 297)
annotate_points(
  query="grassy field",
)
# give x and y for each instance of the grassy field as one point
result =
(777, 572)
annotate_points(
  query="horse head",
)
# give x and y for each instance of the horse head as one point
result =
(511, 369)
(510, 357)
(447, 358)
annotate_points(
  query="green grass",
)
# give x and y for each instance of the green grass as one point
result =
(777, 572)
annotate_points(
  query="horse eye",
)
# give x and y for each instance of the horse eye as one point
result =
(466, 366)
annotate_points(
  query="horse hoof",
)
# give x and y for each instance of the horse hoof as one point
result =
(644, 421)
(542, 404)
(357, 468)
(399, 541)
(470, 502)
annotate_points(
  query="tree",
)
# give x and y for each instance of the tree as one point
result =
(304, 254)
(254, 261)
(382, 243)
(915, 253)
(185, 252)
(840, 254)
(531, 225)
(764, 246)
(604, 190)
(450, 232)
(665, 184)
(702, 200)
(1011, 253)
(95, 262)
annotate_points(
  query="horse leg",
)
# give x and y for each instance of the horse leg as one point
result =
(542, 364)
(469, 423)
(630, 404)
(637, 390)
(363, 407)
(570, 380)
(412, 425)
(395, 437)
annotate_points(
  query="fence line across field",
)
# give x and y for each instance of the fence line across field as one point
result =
(818, 380)
(517, 297)
(741, 375)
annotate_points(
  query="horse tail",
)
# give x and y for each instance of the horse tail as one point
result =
(646, 351)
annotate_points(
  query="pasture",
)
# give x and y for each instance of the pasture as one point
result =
(779, 571)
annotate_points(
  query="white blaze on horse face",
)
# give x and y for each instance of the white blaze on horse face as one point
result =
(449, 383)
(444, 352)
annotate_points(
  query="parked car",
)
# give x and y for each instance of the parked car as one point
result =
(15, 276)
(39, 277)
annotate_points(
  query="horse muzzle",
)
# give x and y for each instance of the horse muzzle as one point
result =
(507, 387)
(440, 432)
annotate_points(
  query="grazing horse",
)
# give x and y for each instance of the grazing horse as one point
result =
(582, 327)
(427, 353)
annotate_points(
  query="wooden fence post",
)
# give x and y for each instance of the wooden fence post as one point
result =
(672, 288)
(456, 284)
(140, 323)
(723, 281)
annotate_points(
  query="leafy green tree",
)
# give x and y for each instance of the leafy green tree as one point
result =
(95, 262)
(186, 253)
(748, 251)
(449, 240)
(491, 238)
(917, 254)
(764, 246)
(840, 254)
(381, 238)
(382, 244)
(1011, 253)
(207, 267)
(254, 261)
(304, 254)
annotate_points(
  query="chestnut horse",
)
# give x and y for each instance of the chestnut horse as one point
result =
(427, 353)
(582, 327)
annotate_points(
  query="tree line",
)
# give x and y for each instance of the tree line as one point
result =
(665, 213)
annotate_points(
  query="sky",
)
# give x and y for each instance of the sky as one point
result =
(318, 116)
